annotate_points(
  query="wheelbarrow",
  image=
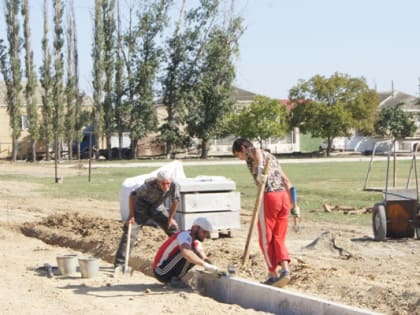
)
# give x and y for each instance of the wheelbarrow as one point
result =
(398, 216)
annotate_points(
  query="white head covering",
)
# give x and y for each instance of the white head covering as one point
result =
(164, 175)
(204, 224)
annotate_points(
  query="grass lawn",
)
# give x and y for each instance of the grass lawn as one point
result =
(333, 183)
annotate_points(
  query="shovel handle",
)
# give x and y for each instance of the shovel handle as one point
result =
(127, 250)
(260, 196)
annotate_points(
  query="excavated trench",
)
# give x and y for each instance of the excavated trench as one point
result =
(99, 237)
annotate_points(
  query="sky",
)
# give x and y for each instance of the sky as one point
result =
(290, 40)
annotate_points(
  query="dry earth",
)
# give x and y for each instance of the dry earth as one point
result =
(339, 263)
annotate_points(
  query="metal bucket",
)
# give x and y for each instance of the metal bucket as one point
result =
(67, 264)
(89, 267)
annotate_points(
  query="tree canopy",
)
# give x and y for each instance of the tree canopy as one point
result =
(394, 122)
(262, 119)
(332, 107)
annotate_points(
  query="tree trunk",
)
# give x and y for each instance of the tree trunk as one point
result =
(33, 146)
(329, 143)
(14, 148)
(133, 146)
(120, 145)
(48, 151)
(204, 149)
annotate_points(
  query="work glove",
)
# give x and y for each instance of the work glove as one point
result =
(295, 211)
(261, 178)
(210, 267)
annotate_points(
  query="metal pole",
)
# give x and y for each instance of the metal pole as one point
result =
(90, 153)
(394, 177)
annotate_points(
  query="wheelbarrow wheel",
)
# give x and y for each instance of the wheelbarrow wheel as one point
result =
(379, 222)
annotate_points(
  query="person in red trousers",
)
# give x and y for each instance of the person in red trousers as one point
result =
(274, 213)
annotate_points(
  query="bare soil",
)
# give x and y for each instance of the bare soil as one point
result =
(340, 263)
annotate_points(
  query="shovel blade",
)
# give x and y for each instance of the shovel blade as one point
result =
(120, 271)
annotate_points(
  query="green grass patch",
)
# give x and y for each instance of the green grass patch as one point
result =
(309, 143)
(332, 183)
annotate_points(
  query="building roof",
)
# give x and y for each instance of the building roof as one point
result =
(239, 95)
(408, 102)
(242, 95)
(286, 102)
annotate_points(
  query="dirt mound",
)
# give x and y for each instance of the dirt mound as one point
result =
(100, 237)
(337, 265)
(330, 242)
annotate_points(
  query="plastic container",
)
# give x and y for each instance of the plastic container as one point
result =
(89, 267)
(67, 264)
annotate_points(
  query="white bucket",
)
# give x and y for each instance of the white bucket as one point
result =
(67, 264)
(89, 267)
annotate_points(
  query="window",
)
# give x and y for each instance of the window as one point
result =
(25, 122)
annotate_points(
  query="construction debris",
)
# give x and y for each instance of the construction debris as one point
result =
(346, 209)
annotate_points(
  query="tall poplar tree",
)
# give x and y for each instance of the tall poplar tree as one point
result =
(184, 50)
(58, 93)
(80, 120)
(172, 84)
(11, 70)
(70, 91)
(121, 118)
(146, 58)
(46, 83)
(128, 49)
(109, 65)
(98, 70)
(213, 96)
(31, 83)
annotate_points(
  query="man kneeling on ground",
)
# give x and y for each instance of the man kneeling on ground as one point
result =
(181, 252)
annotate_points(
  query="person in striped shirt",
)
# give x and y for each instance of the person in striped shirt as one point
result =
(182, 251)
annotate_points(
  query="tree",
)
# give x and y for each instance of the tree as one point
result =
(394, 122)
(46, 83)
(121, 112)
(262, 119)
(11, 70)
(332, 107)
(214, 90)
(31, 83)
(57, 86)
(98, 69)
(172, 87)
(80, 116)
(71, 89)
(127, 47)
(109, 64)
(144, 65)
(184, 50)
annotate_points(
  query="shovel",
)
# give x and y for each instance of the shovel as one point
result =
(258, 201)
(125, 269)
(295, 211)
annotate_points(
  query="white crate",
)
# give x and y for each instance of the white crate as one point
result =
(206, 183)
(220, 220)
(206, 202)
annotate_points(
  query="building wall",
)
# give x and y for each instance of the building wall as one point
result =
(5, 134)
(24, 141)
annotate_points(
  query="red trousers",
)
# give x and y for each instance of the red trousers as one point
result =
(272, 228)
